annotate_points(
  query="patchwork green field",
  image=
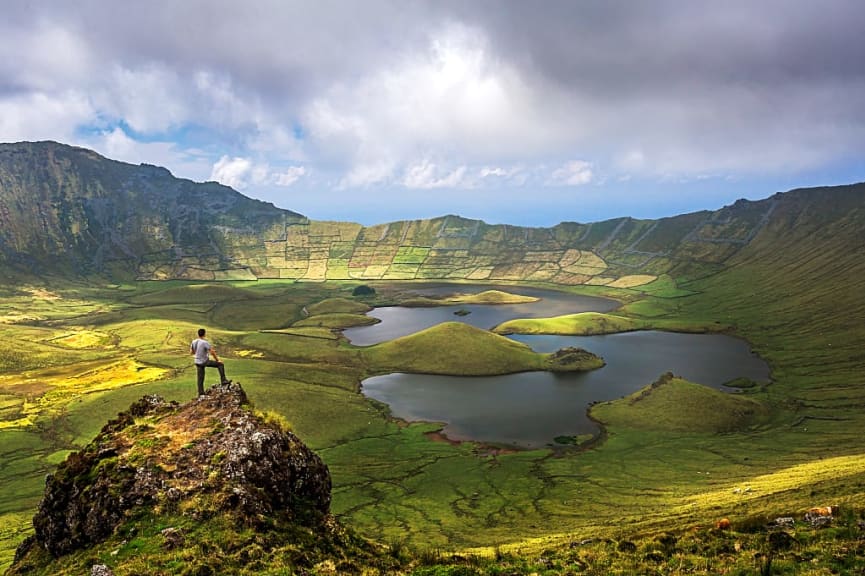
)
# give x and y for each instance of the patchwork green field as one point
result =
(773, 451)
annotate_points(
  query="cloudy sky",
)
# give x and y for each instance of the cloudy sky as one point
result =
(524, 112)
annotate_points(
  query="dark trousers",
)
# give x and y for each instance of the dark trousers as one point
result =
(210, 364)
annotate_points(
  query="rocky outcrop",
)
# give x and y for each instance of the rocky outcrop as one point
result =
(210, 455)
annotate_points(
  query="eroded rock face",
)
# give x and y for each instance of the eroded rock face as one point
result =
(213, 454)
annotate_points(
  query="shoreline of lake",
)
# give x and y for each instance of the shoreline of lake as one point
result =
(528, 410)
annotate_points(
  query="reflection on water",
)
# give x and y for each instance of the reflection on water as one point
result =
(530, 409)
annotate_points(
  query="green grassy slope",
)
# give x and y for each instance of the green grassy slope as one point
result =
(796, 292)
(453, 348)
(336, 321)
(392, 482)
(790, 282)
(673, 404)
(491, 297)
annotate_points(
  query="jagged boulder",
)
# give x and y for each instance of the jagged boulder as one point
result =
(210, 455)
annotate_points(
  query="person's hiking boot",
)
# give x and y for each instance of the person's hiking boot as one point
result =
(225, 382)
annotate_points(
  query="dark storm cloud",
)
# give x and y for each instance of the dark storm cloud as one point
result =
(611, 46)
(675, 76)
(610, 49)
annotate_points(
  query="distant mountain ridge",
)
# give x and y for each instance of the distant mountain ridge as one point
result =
(67, 210)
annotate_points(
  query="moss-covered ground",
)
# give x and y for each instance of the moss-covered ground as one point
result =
(792, 444)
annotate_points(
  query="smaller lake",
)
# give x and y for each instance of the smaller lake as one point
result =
(529, 410)
(397, 321)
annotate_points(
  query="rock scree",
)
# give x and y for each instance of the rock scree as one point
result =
(212, 454)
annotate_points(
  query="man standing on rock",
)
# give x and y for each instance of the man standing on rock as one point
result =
(202, 350)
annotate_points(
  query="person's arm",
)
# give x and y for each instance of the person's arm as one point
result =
(213, 353)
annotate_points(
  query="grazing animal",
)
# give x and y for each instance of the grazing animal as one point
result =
(723, 524)
(821, 511)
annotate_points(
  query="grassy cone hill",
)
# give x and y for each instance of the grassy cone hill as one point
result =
(676, 405)
(337, 306)
(454, 348)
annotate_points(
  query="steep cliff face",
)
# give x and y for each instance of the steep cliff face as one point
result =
(69, 210)
(209, 466)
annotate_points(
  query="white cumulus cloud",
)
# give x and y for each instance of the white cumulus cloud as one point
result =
(573, 173)
(290, 176)
(426, 175)
(452, 100)
(43, 116)
(242, 173)
(234, 172)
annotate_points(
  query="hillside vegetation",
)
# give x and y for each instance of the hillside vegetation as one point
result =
(337, 306)
(232, 490)
(68, 210)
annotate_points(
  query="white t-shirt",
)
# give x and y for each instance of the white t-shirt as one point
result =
(201, 347)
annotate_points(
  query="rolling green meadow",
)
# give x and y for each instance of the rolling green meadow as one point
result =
(75, 354)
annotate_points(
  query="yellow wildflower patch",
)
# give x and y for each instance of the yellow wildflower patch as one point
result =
(19, 317)
(82, 339)
(43, 294)
(52, 387)
(792, 478)
(249, 353)
(112, 375)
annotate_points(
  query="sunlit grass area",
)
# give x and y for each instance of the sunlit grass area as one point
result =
(677, 456)
(335, 320)
(591, 323)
